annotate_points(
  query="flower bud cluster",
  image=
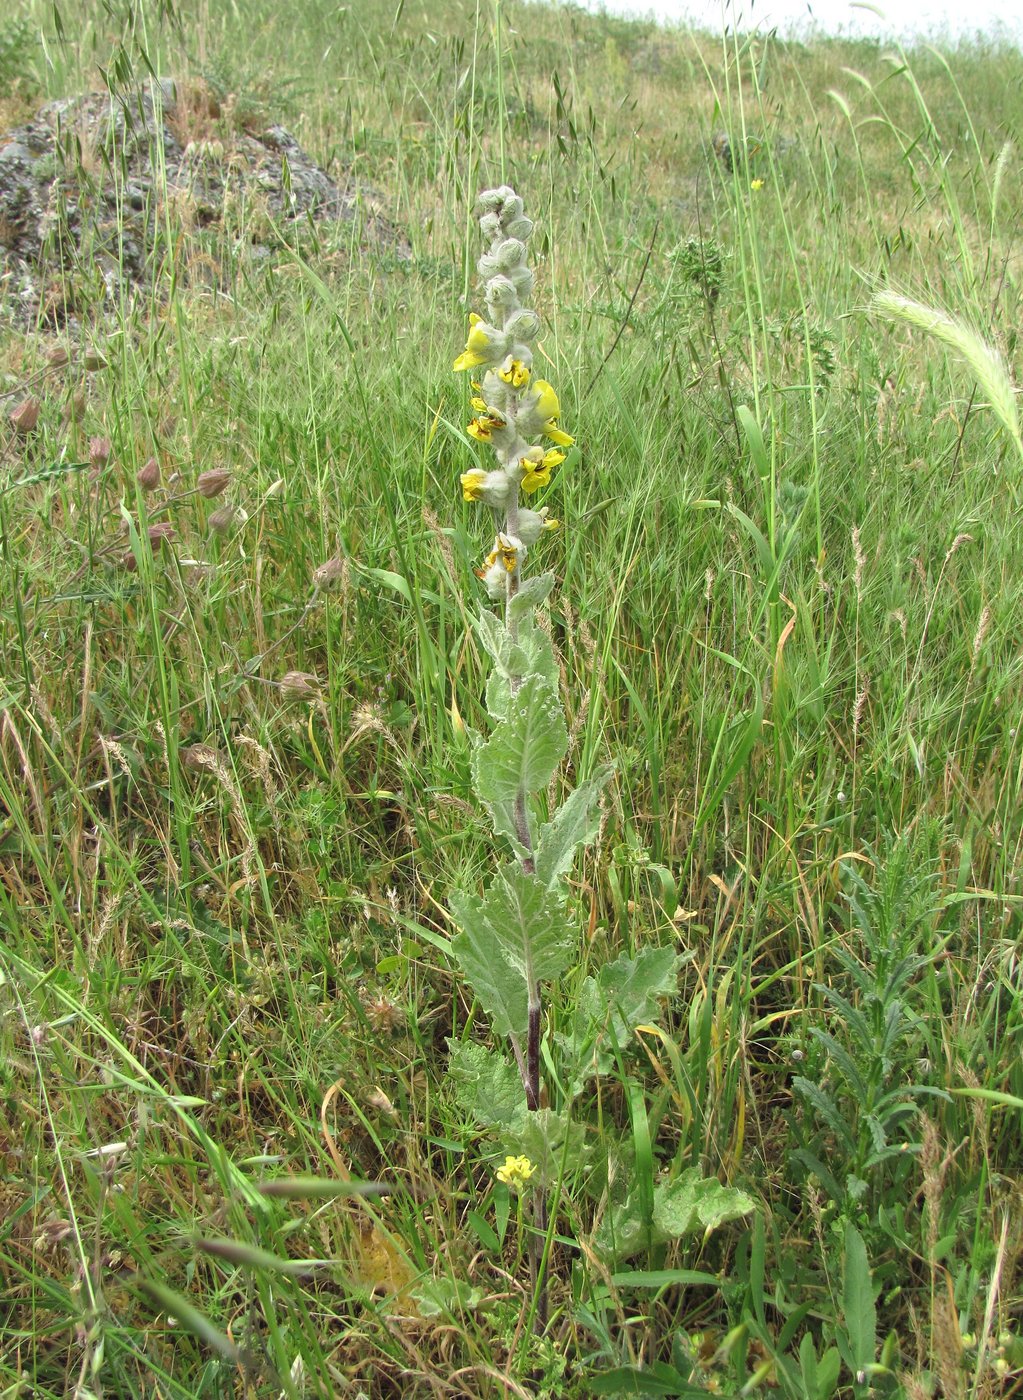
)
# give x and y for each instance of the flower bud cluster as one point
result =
(511, 408)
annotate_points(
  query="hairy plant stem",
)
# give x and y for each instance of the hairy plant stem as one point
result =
(529, 1068)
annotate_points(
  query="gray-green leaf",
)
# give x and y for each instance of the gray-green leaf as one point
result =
(526, 747)
(486, 1085)
(696, 1204)
(573, 825)
(532, 592)
(512, 938)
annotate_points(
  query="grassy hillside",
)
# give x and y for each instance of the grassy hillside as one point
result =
(234, 769)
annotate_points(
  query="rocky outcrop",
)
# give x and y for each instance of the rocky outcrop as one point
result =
(101, 193)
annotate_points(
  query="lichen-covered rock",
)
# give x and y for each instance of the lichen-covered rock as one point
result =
(100, 193)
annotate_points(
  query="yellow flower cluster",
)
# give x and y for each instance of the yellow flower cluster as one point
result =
(516, 1172)
(511, 409)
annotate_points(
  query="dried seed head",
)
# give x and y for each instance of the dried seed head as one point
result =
(328, 575)
(25, 417)
(99, 452)
(382, 1013)
(299, 685)
(57, 356)
(163, 530)
(149, 476)
(94, 360)
(129, 562)
(213, 483)
(221, 520)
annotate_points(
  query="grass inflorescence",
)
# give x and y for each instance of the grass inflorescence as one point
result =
(239, 678)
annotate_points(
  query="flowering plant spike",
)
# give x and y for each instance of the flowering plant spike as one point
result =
(517, 935)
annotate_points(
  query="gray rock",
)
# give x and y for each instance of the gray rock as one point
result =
(86, 185)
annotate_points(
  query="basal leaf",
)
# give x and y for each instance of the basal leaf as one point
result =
(526, 747)
(695, 1204)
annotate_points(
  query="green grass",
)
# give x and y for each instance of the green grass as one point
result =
(788, 610)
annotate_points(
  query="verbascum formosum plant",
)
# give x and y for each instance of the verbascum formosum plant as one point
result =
(520, 934)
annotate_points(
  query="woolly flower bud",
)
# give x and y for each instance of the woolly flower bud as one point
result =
(522, 325)
(486, 345)
(495, 581)
(501, 294)
(489, 488)
(530, 525)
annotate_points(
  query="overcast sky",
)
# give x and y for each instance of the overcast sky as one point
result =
(903, 19)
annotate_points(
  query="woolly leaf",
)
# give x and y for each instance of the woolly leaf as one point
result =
(694, 1204)
(486, 1085)
(573, 825)
(526, 747)
(690, 1204)
(551, 1141)
(611, 1005)
(512, 938)
(532, 592)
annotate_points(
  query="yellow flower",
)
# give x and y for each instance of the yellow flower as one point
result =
(516, 1172)
(547, 408)
(546, 402)
(756, 184)
(537, 466)
(472, 485)
(505, 552)
(552, 523)
(478, 348)
(482, 428)
(515, 373)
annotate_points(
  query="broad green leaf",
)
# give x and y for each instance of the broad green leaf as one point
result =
(623, 1231)
(611, 1005)
(511, 938)
(532, 592)
(632, 987)
(573, 825)
(526, 747)
(858, 1302)
(447, 1297)
(697, 1204)
(485, 1084)
(514, 659)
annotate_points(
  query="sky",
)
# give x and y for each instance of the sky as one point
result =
(896, 19)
